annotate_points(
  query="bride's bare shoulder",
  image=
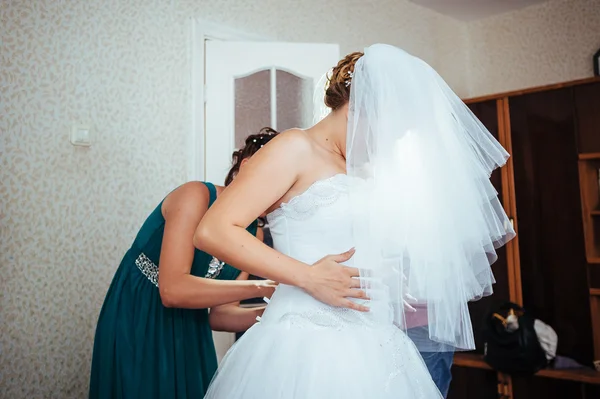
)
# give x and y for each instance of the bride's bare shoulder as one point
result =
(294, 141)
(287, 153)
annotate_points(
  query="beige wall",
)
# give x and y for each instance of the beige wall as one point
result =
(68, 214)
(548, 43)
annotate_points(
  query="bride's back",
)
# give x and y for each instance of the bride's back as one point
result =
(310, 226)
(315, 223)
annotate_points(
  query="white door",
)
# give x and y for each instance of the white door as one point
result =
(250, 85)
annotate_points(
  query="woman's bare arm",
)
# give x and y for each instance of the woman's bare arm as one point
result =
(232, 317)
(265, 179)
(183, 209)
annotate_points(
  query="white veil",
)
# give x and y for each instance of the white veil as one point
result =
(426, 218)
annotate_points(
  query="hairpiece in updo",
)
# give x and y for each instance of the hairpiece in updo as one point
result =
(252, 144)
(349, 80)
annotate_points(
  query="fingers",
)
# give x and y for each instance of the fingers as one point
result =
(354, 293)
(356, 283)
(344, 256)
(351, 271)
(410, 297)
(346, 303)
(408, 307)
(266, 284)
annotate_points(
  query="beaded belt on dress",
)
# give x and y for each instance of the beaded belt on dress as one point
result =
(150, 269)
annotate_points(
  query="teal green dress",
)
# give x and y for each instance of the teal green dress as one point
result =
(142, 349)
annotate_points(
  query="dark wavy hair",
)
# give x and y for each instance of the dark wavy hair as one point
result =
(253, 143)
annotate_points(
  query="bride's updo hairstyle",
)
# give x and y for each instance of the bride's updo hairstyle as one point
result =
(253, 143)
(339, 80)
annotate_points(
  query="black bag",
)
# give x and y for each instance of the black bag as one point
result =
(513, 352)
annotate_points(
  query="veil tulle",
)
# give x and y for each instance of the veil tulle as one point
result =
(426, 218)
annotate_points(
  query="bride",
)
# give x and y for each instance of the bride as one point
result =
(398, 170)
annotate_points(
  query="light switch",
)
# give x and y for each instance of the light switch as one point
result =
(81, 135)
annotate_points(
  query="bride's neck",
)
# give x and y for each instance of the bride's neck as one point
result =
(330, 132)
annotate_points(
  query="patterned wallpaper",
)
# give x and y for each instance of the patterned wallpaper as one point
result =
(548, 43)
(67, 214)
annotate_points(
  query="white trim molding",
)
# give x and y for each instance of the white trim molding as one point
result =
(201, 31)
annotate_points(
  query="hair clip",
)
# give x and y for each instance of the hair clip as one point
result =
(349, 81)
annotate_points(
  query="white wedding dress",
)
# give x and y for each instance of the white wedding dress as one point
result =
(304, 349)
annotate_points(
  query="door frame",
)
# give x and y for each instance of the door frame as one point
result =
(201, 31)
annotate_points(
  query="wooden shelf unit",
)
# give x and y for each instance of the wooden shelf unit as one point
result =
(590, 156)
(589, 178)
(589, 183)
(550, 188)
(584, 375)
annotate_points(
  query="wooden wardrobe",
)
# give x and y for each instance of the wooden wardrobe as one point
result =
(550, 190)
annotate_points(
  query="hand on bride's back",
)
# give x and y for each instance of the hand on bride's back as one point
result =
(333, 283)
(266, 287)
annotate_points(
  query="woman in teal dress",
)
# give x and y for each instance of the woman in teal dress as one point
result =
(154, 338)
